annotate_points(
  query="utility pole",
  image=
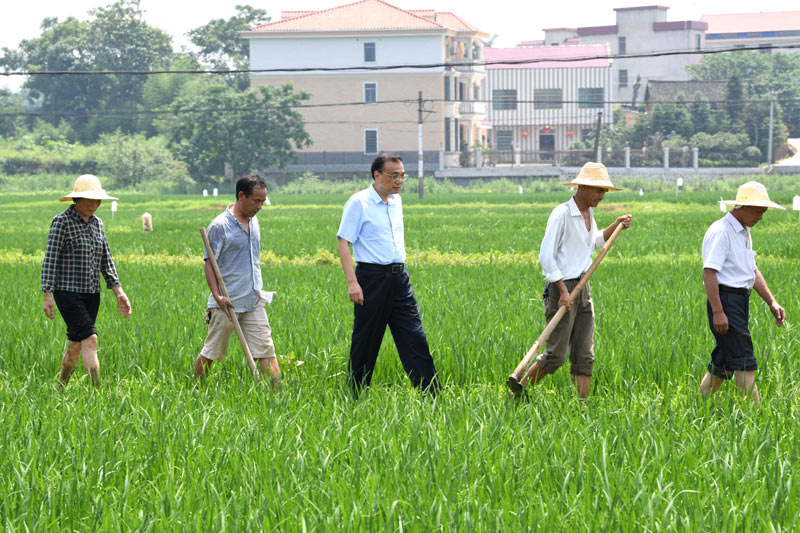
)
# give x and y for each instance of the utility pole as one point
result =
(769, 139)
(597, 137)
(419, 149)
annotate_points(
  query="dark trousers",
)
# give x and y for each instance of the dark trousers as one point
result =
(734, 350)
(389, 300)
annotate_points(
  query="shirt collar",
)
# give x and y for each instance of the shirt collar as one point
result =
(232, 217)
(376, 198)
(574, 211)
(734, 224)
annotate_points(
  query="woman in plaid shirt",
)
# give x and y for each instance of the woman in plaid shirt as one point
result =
(77, 254)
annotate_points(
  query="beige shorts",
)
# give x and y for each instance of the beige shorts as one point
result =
(255, 326)
(574, 334)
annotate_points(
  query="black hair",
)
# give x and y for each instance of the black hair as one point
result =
(381, 160)
(248, 183)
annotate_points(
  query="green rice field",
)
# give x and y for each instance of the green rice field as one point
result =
(148, 451)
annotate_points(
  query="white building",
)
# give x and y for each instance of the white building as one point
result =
(547, 97)
(638, 31)
(363, 103)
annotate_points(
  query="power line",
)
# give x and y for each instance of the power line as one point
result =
(419, 66)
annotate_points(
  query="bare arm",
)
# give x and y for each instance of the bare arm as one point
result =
(719, 319)
(224, 303)
(354, 291)
(763, 290)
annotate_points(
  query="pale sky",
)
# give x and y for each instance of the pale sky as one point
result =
(512, 20)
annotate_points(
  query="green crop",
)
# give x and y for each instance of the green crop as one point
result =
(149, 451)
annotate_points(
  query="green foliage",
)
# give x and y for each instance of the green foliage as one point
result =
(669, 118)
(220, 45)
(117, 38)
(252, 129)
(9, 103)
(131, 160)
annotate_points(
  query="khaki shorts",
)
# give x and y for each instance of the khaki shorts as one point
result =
(574, 334)
(255, 326)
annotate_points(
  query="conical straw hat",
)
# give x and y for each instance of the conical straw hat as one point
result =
(753, 193)
(593, 175)
(87, 186)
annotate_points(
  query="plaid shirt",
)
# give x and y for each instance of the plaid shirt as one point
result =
(77, 253)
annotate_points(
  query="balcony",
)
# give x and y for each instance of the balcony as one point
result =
(468, 66)
(471, 108)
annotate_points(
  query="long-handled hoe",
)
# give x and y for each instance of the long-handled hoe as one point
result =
(517, 381)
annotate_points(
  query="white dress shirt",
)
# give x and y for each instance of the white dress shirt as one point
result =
(727, 248)
(567, 247)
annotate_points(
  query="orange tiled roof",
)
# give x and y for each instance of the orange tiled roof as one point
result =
(365, 15)
(752, 22)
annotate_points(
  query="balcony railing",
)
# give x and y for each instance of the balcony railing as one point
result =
(472, 108)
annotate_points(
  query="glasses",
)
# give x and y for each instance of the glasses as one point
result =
(397, 176)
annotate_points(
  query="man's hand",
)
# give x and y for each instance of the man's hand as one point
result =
(720, 320)
(226, 305)
(625, 220)
(778, 312)
(48, 305)
(563, 300)
(355, 293)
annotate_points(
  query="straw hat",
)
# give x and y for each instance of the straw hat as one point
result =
(87, 186)
(752, 193)
(593, 175)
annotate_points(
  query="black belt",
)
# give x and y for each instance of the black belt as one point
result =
(735, 290)
(394, 268)
(574, 279)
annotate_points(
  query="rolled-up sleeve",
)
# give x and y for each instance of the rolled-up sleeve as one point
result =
(715, 250)
(553, 235)
(350, 226)
(599, 239)
(216, 237)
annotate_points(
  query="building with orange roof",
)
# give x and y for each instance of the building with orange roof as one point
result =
(365, 64)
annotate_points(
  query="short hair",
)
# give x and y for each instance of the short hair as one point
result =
(381, 160)
(247, 183)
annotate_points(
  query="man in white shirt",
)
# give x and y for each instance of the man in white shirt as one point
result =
(566, 252)
(729, 274)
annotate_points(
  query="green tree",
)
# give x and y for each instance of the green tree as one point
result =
(10, 106)
(672, 117)
(220, 45)
(116, 39)
(700, 111)
(734, 98)
(248, 129)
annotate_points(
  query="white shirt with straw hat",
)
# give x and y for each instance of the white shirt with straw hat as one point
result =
(727, 245)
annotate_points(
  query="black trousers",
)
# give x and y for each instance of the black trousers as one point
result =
(734, 350)
(389, 300)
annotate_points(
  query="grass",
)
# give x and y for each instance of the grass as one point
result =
(148, 451)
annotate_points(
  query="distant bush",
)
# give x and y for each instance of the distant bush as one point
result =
(134, 160)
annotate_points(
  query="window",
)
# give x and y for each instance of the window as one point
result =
(590, 97)
(370, 92)
(697, 42)
(622, 46)
(369, 52)
(505, 140)
(447, 141)
(370, 141)
(623, 78)
(447, 89)
(504, 99)
(547, 98)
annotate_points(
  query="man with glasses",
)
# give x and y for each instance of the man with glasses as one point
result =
(379, 287)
